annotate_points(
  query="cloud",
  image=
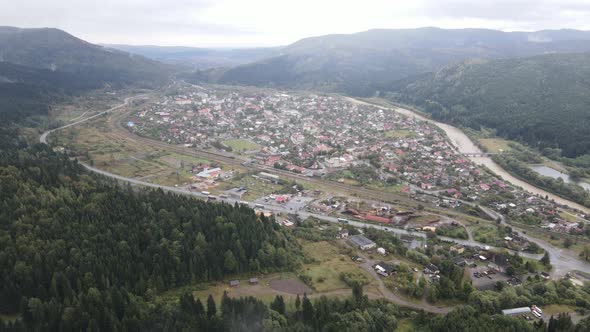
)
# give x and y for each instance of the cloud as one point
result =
(276, 22)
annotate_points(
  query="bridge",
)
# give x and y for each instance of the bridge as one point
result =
(480, 154)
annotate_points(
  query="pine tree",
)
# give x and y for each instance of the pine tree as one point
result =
(211, 307)
(307, 310)
(546, 260)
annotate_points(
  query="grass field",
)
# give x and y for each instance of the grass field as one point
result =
(495, 145)
(555, 309)
(405, 325)
(487, 233)
(261, 291)
(241, 145)
(399, 133)
(330, 261)
(93, 142)
(256, 188)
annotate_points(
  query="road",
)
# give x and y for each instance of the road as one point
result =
(563, 260)
(368, 264)
(43, 138)
(463, 144)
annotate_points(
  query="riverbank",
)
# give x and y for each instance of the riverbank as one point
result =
(463, 144)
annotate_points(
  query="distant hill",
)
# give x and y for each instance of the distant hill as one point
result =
(200, 58)
(27, 91)
(59, 51)
(41, 66)
(366, 62)
(542, 100)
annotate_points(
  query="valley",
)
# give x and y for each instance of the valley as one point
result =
(387, 180)
(119, 119)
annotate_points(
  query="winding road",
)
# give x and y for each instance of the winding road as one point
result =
(563, 260)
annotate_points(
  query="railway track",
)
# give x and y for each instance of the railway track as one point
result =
(118, 131)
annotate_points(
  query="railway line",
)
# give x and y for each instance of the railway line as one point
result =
(114, 122)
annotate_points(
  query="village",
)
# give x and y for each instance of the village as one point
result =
(334, 138)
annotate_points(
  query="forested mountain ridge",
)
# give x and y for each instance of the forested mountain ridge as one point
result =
(39, 67)
(78, 251)
(56, 50)
(366, 62)
(542, 100)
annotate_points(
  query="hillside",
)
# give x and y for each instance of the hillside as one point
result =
(41, 66)
(366, 62)
(56, 50)
(541, 100)
(200, 58)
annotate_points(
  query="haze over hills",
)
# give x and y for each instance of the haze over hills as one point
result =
(365, 62)
(542, 100)
(38, 66)
(56, 50)
(200, 58)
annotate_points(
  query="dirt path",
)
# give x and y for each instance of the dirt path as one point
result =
(367, 265)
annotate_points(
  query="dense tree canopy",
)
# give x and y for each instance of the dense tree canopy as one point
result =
(78, 251)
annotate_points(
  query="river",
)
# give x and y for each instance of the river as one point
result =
(463, 144)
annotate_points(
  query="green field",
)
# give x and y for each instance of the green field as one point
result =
(487, 233)
(495, 145)
(399, 134)
(241, 145)
(330, 261)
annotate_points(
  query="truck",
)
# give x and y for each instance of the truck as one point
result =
(342, 220)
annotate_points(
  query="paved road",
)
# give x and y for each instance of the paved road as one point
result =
(463, 144)
(563, 260)
(43, 138)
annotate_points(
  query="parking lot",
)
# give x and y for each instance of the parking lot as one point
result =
(483, 278)
(294, 204)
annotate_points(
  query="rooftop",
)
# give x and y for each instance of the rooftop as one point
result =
(516, 311)
(360, 240)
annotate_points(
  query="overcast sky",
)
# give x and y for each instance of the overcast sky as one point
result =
(241, 23)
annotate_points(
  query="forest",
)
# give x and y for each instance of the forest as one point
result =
(79, 251)
(541, 100)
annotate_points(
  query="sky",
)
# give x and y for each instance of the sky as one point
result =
(253, 23)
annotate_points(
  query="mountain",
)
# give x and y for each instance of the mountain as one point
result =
(56, 50)
(26, 91)
(41, 66)
(200, 58)
(366, 62)
(542, 100)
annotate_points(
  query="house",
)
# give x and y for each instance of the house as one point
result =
(378, 219)
(253, 281)
(210, 173)
(431, 269)
(384, 269)
(460, 261)
(516, 311)
(429, 229)
(361, 242)
(234, 283)
(501, 261)
(343, 234)
(459, 248)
